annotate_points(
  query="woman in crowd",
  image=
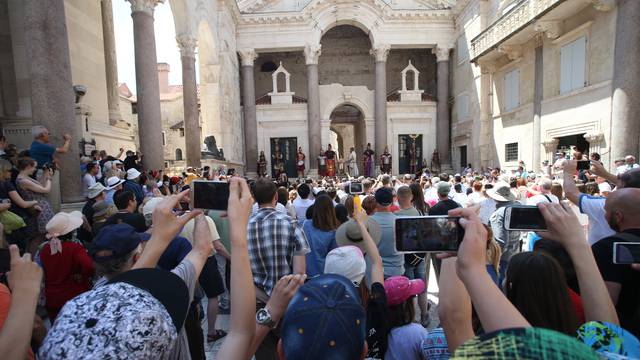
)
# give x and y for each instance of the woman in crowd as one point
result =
(32, 190)
(418, 199)
(321, 234)
(18, 206)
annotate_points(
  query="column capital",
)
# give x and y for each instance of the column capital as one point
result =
(187, 45)
(247, 56)
(551, 145)
(312, 54)
(380, 51)
(513, 52)
(146, 6)
(551, 28)
(441, 51)
(487, 67)
(603, 5)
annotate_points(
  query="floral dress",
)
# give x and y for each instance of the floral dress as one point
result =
(47, 211)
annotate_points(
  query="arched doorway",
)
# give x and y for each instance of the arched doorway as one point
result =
(347, 123)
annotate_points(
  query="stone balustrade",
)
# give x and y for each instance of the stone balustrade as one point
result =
(517, 18)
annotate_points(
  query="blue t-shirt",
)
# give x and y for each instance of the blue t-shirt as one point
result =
(172, 256)
(42, 153)
(320, 242)
(405, 342)
(392, 261)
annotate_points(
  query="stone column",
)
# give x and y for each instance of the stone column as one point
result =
(148, 88)
(443, 120)
(625, 126)
(52, 96)
(111, 63)
(537, 106)
(380, 111)
(193, 140)
(484, 139)
(312, 55)
(247, 57)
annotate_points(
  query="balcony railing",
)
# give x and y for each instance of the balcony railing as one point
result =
(517, 18)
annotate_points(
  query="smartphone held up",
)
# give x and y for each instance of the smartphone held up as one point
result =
(419, 234)
(210, 195)
(524, 218)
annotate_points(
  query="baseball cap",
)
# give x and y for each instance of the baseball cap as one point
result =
(349, 233)
(400, 288)
(95, 190)
(384, 196)
(138, 313)
(324, 320)
(347, 261)
(114, 241)
(524, 343)
(443, 187)
(132, 173)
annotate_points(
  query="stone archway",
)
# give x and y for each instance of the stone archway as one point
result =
(347, 122)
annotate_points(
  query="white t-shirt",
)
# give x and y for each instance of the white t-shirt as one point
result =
(279, 207)
(301, 206)
(475, 198)
(593, 207)
(460, 198)
(88, 181)
(536, 199)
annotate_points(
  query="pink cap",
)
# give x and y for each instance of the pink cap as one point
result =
(400, 288)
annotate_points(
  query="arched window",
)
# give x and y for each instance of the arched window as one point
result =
(178, 154)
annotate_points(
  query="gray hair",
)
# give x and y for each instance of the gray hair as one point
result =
(37, 131)
(545, 183)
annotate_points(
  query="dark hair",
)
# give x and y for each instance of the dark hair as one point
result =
(458, 188)
(283, 195)
(513, 183)
(630, 179)
(591, 188)
(595, 156)
(536, 286)
(558, 252)
(418, 198)
(332, 193)
(457, 178)
(25, 162)
(91, 166)
(349, 204)
(369, 204)
(304, 191)
(401, 314)
(324, 214)
(341, 213)
(122, 197)
(264, 190)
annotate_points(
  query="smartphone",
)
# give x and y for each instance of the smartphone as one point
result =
(584, 165)
(210, 195)
(415, 234)
(524, 218)
(355, 188)
(626, 252)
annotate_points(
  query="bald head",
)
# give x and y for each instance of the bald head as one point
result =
(623, 209)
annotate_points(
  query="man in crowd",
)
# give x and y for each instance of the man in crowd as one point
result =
(89, 179)
(276, 248)
(392, 261)
(132, 185)
(125, 201)
(114, 184)
(302, 202)
(622, 211)
(405, 198)
(131, 160)
(444, 202)
(95, 194)
(43, 152)
(545, 193)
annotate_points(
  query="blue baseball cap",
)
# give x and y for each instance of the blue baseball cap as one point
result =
(384, 196)
(114, 241)
(324, 320)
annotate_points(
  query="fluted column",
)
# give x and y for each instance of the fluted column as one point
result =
(312, 55)
(148, 88)
(247, 57)
(443, 119)
(625, 125)
(187, 45)
(110, 62)
(52, 96)
(537, 106)
(381, 53)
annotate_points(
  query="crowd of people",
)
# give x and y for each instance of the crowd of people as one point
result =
(309, 269)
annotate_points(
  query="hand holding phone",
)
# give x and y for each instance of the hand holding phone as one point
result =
(210, 195)
(428, 234)
(584, 164)
(626, 253)
(524, 218)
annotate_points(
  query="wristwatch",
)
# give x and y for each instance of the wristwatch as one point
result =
(263, 317)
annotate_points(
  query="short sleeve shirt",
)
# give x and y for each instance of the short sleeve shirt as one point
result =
(42, 153)
(593, 207)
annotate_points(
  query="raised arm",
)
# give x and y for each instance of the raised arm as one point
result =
(565, 228)
(454, 308)
(377, 273)
(568, 184)
(65, 147)
(202, 244)
(599, 170)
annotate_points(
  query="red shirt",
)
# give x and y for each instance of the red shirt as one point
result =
(576, 300)
(66, 274)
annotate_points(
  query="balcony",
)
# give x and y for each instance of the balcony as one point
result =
(519, 17)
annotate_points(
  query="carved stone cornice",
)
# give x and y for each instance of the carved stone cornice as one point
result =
(487, 67)
(247, 56)
(594, 138)
(441, 51)
(145, 6)
(603, 5)
(513, 52)
(187, 45)
(551, 144)
(312, 54)
(380, 52)
(551, 29)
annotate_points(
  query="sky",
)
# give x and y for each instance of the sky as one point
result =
(166, 47)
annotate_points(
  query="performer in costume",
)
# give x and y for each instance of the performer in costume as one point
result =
(352, 163)
(413, 162)
(278, 164)
(322, 163)
(435, 161)
(385, 161)
(300, 162)
(331, 161)
(262, 165)
(369, 161)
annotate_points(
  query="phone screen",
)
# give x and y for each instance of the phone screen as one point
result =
(584, 164)
(626, 253)
(355, 188)
(211, 195)
(526, 218)
(428, 233)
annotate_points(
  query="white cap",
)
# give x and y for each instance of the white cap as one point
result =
(132, 173)
(347, 261)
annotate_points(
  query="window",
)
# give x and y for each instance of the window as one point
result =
(511, 152)
(178, 154)
(463, 50)
(181, 132)
(512, 90)
(463, 156)
(573, 65)
(462, 107)
(164, 140)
